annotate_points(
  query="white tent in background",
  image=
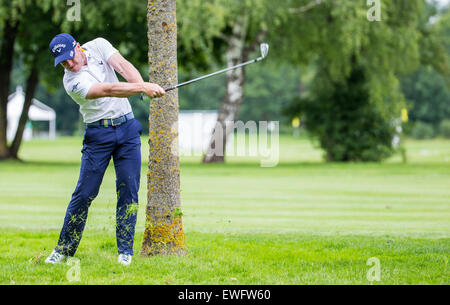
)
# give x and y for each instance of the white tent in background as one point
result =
(38, 112)
(195, 128)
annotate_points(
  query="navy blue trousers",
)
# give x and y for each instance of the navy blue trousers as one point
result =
(100, 143)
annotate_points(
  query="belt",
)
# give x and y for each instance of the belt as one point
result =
(112, 122)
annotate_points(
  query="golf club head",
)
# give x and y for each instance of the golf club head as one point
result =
(264, 50)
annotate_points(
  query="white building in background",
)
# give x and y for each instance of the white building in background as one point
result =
(38, 112)
(195, 128)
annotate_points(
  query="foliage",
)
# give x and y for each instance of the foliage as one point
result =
(445, 128)
(435, 40)
(205, 25)
(269, 87)
(347, 125)
(121, 22)
(343, 109)
(422, 130)
(204, 95)
(324, 36)
(428, 89)
(428, 96)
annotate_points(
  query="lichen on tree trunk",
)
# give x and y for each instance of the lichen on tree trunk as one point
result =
(163, 228)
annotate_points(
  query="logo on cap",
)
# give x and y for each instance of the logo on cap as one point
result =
(58, 47)
(62, 47)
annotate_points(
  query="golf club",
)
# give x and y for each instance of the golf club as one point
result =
(264, 50)
(264, 47)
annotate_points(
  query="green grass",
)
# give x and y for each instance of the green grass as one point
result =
(301, 222)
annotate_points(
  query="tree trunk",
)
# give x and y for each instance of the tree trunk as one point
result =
(163, 228)
(32, 82)
(6, 60)
(236, 53)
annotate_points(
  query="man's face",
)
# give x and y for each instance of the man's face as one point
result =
(74, 64)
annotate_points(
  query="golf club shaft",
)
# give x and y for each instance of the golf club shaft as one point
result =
(209, 75)
(215, 73)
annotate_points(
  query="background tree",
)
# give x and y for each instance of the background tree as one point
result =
(32, 46)
(122, 22)
(236, 29)
(9, 26)
(302, 34)
(18, 21)
(125, 21)
(428, 97)
(349, 45)
(163, 228)
(428, 89)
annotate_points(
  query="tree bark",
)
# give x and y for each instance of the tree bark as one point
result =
(236, 53)
(163, 228)
(6, 60)
(32, 82)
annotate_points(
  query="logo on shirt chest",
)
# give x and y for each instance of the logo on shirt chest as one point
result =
(75, 87)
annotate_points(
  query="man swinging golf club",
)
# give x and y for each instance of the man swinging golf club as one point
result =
(111, 131)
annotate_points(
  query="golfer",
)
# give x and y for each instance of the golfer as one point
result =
(111, 131)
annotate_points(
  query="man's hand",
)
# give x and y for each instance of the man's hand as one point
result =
(153, 90)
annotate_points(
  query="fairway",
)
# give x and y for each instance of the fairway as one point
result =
(301, 222)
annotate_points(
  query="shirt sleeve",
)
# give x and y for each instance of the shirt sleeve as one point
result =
(105, 48)
(79, 86)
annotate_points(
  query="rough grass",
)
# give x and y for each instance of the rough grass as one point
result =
(301, 222)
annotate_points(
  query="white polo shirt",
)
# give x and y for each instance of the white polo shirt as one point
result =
(97, 70)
